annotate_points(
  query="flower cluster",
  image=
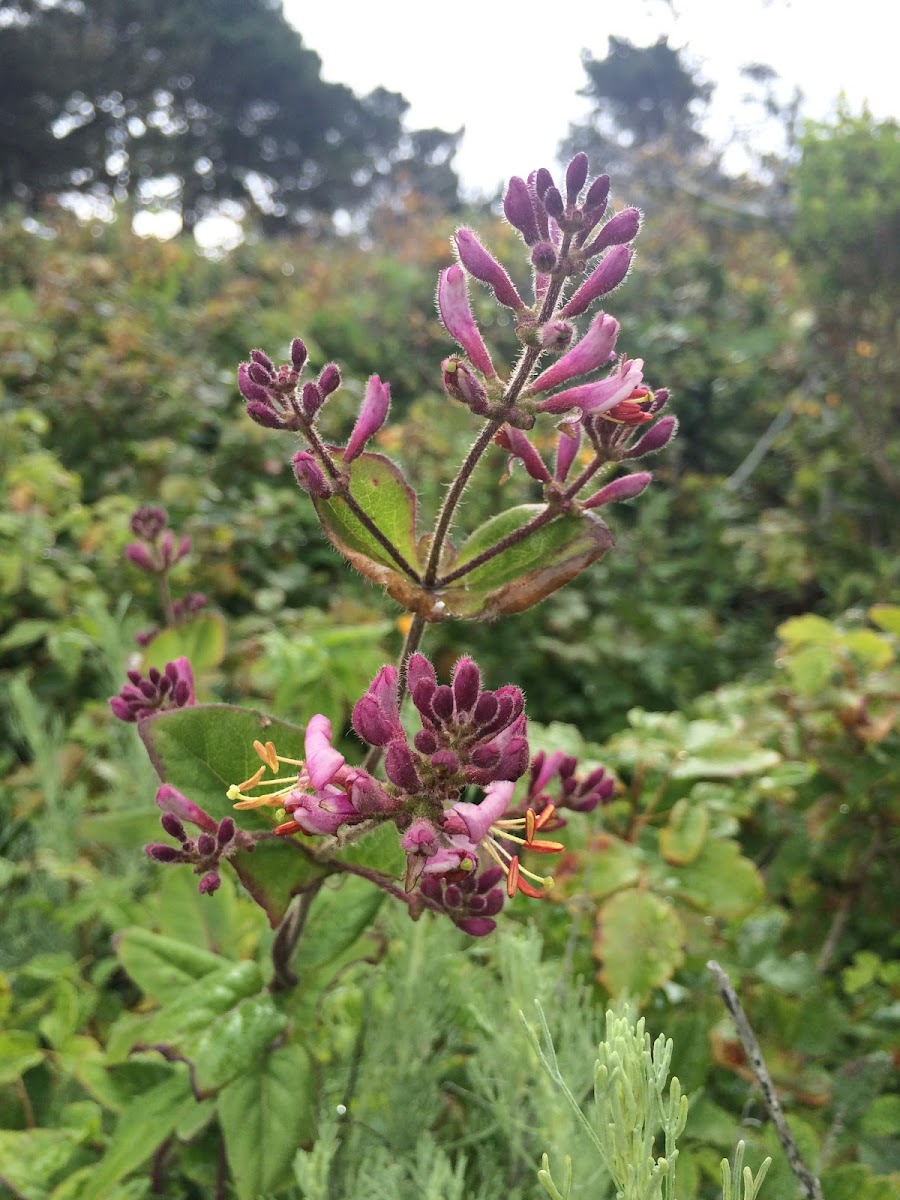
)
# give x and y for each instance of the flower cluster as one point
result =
(145, 695)
(216, 841)
(158, 549)
(469, 736)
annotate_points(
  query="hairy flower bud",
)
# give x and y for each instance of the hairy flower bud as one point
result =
(626, 487)
(372, 416)
(139, 554)
(520, 447)
(482, 265)
(544, 258)
(591, 352)
(460, 384)
(617, 231)
(553, 203)
(298, 354)
(453, 305)
(310, 475)
(519, 210)
(606, 276)
(655, 438)
(576, 176)
(329, 380)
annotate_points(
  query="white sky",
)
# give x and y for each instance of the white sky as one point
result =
(510, 71)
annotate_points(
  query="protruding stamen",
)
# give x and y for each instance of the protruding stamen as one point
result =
(267, 754)
(252, 782)
(287, 827)
(530, 825)
(512, 877)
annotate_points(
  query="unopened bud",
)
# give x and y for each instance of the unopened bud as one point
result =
(655, 438)
(519, 210)
(310, 475)
(617, 231)
(576, 175)
(543, 257)
(553, 203)
(372, 416)
(556, 335)
(462, 385)
(298, 354)
(606, 276)
(264, 414)
(626, 487)
(482, 265)
(329, 380)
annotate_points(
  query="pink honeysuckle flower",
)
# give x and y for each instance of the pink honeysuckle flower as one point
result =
(593, 351)
(453, 305)
(601, 396)
(322, 761)
(372, 416)
(321, 812)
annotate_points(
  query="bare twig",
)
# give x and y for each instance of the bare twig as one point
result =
(812, 1189)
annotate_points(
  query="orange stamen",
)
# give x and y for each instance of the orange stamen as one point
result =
(544, 847)
(286, 828)
(252, 781)
(267, 754)
(512, 878)
(526, 889)
(544, 817)
(530, 825)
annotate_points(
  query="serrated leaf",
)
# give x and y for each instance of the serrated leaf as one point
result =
(266, 1114)
(202, 639)
(638, 943)
(681, 838)
(720, 880)
(202, 751)
(380, 488)
(527, 572)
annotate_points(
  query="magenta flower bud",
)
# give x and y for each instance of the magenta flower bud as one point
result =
(225, 833)
(445, 760)
(162, 853)
(591, 352)
(371, 724)
(400, 767)
(618, 230)
(209, 883)
(264, 415)
(482, 265)
(660, 400)
(298, 354)
(460, 384)
(543, 258)
(655, 438)
(542, 181)
(148, 522)
(206, 844)
(311, 399)
(519, 210)
(576, 176)
(626, 487)
(138, 554)
(310, 475)
(567, 449)
(419, 670)
(606, 276)
(173, 827)
(556, 335)
(170, 800)
(453, 305)
(553, 203)
(262, 359)
(597, 194)
(601, 396)
(259, 374)
(520, 447)
(372, 416)
(249, 389)
(329, 380)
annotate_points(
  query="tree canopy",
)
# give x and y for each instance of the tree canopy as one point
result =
(201, 104)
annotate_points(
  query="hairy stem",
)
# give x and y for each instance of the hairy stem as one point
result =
(288, 936)
(809, 1184)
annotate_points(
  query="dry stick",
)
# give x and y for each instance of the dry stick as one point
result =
(808, 1181)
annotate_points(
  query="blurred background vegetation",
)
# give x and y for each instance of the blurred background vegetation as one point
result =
(766, 303)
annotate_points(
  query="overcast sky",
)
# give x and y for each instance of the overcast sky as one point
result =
(510, 71)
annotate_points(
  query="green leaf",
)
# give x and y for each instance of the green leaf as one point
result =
(811, 668)
(682, 837)
(527, 572)
(610, 865)
(638, 943)
(381, 490)
(728, 758)
(202, 751)
(221, 1025)
(163, 967)
(872, 649)
(340, 913)
(266, 1114)
(808, 630)
(886, 617)
(201, 639)
(140, 1130)
(25, 633)
(19, 1051)
(379, 850)
(32, 1160)
(720, 880)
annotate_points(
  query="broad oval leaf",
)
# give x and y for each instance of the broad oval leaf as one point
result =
(638, 942)
(380, 488)
(682, 837)
(202, 640)
(529, 571)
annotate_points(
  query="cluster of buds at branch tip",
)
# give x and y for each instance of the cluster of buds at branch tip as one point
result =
(158, 691)
(159, 548)
(216, 841)
(274, 395)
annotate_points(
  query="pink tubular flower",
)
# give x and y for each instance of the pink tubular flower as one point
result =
(591, 352)
(372, 416)
(520, 447)
(606, 276)
(453, 305)
(567, 449)
(482, 265)
(322, 761)
(626, 487)
(601, 396)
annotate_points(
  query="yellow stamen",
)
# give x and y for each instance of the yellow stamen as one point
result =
(252, 782)
(267, 754)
